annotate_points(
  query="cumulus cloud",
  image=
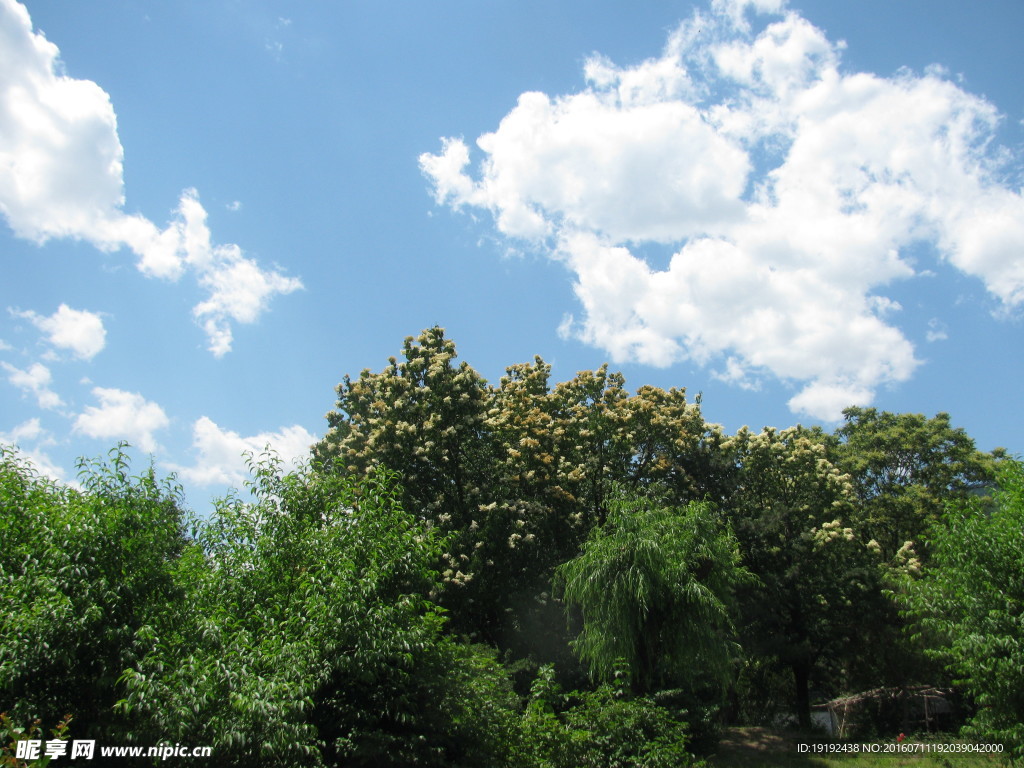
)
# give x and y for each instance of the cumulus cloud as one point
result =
(220, 452)
(31, 433)
(122, 415)
(62, 177)
(35, 381)
(788, 189)
(77, 330)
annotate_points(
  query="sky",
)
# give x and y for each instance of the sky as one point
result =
(211, 211)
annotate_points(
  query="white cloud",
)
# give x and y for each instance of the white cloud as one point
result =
(79, 331)
(239, 290)
(31, 432)
(60, 153)
(63, 176)
(787, 187)
(122, 415)
(35, 381)
(220, 452)
(28, 430)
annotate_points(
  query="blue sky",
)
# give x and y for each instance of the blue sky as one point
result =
(212, 211)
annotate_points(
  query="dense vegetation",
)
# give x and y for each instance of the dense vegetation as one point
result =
(521, 574)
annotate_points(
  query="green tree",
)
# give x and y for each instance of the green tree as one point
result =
(968, 605)
(424, 418)
(308, 638)
(655, 588)
(84, 575)
(604, 728)
(815, 575)
(905, 469)
(515, 474)
(559, 452)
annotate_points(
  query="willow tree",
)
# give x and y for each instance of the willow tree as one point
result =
(655, 588)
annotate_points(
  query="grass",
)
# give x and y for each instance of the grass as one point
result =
(766, 748)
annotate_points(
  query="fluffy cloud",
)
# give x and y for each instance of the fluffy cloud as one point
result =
(221, 452)
(28, 430)
(123, 416)
(79, 331)
(34, 381)
(239, 290)
(32, 432)
(62, 177)
(788, 189)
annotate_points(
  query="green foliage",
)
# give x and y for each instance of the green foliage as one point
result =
(815, 575)
(307, 637)
(605, 728)
(906, 469)
(83, 576)
(969, 605)
(516, 473)
(316, 625)
(655, 585)
(11, 733)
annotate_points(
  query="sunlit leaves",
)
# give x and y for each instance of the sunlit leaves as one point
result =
(906, 468)
(969, 605)
(316, 588)
(84, 577)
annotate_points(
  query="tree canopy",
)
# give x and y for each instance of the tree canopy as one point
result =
(478, 574)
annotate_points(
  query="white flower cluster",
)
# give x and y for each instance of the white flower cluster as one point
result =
(906, 559)
(829, 532)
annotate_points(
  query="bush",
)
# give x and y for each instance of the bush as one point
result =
(605, 728)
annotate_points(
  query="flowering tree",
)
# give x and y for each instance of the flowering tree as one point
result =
(516, 474)
(815, 573)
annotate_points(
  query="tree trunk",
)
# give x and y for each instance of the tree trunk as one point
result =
(801, 663)
(802, 677)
